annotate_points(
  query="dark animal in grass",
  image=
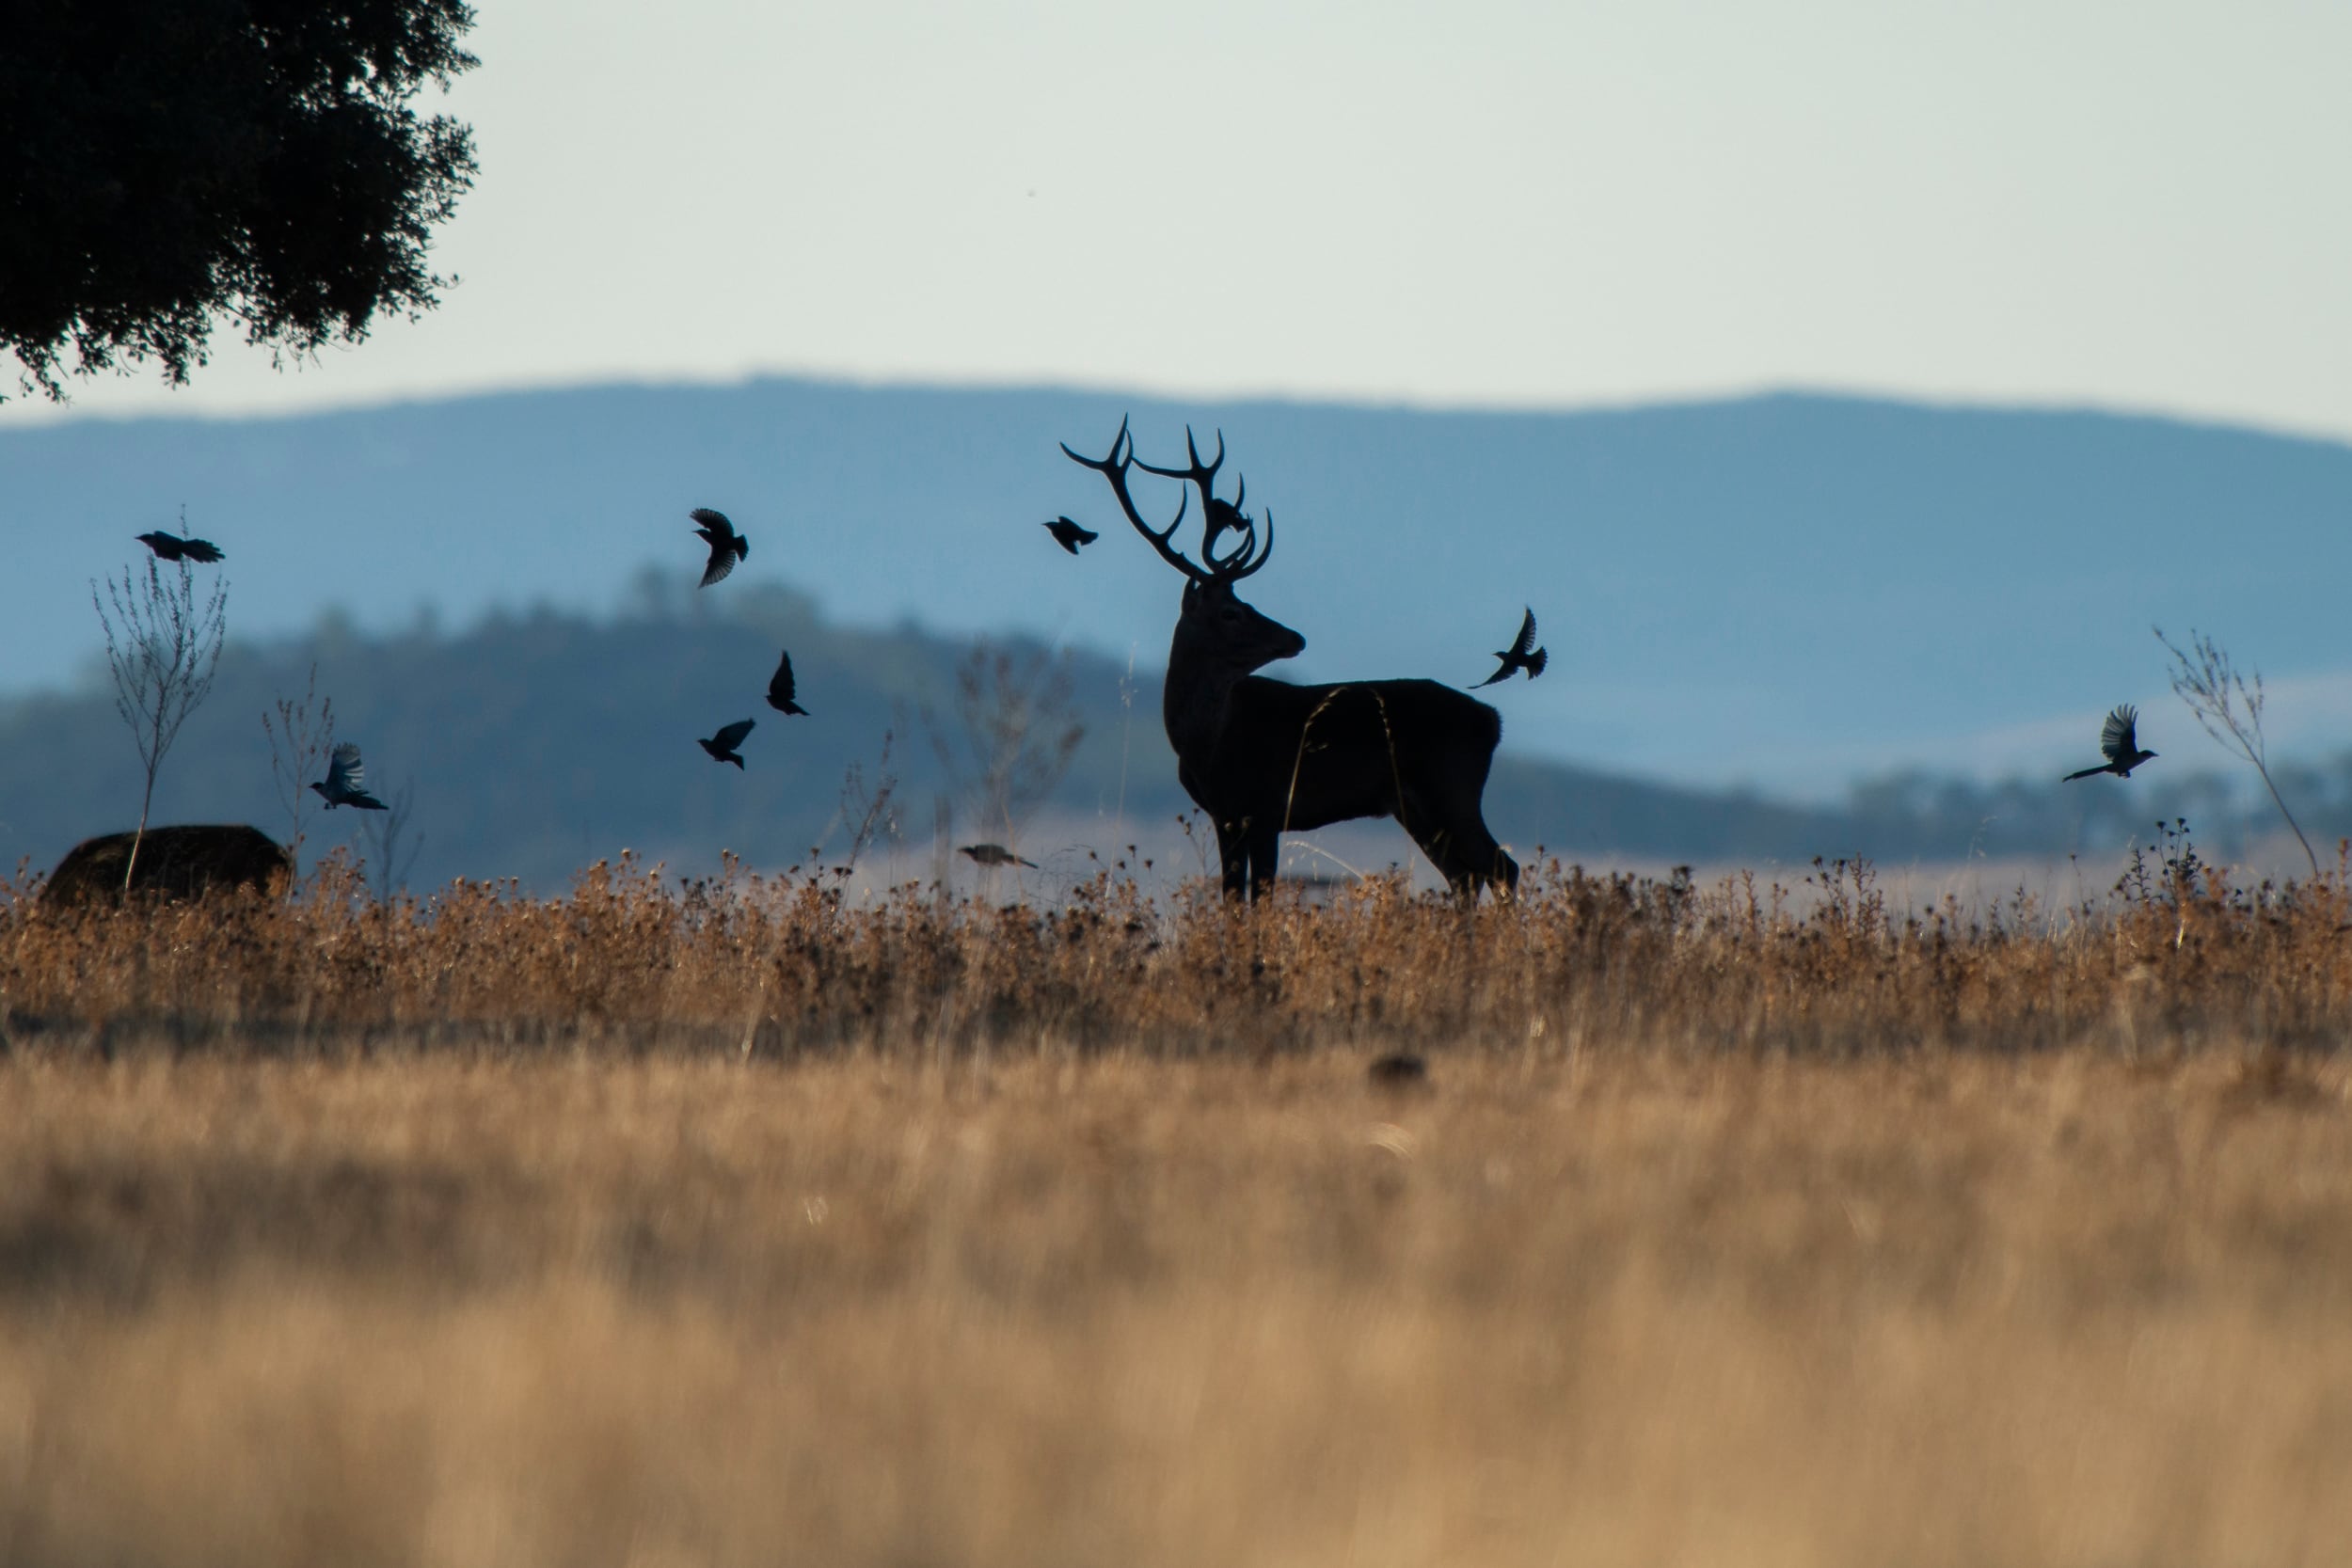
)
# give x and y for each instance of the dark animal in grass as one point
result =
(994, 854)
(1263, 757)
(346, 780)
(2119, 742)
(184, 861)
(1069, 535)
(1522, 654)
(726, 546)
(171, 546)
(721, 746)
(779, 688)
(1398, 1070)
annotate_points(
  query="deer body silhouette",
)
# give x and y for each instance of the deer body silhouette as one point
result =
(1263, 757)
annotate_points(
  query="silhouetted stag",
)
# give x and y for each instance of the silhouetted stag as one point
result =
(1263, 757)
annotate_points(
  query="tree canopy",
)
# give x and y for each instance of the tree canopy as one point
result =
(170, 163)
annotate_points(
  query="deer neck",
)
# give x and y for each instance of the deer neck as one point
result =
(1198, 695)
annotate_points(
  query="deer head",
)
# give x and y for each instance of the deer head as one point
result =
(1217, 631)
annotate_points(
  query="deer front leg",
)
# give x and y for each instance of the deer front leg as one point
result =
(1232, 850)
(1264, 848)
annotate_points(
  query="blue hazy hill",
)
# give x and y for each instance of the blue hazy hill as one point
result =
(531, 745)
(1791, 591)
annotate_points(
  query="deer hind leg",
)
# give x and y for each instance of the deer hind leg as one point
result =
(1459, 846)
(1483, 861)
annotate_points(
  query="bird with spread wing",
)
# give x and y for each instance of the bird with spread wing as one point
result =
(1521, 654)
(346, 780)
(726, 546)
(721, 746)
(780, 688)
(168, 547)
(2119, 742)
(1069, 535)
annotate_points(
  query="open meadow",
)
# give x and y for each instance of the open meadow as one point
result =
(744, 1222)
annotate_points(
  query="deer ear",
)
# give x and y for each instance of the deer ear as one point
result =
(1192, 593)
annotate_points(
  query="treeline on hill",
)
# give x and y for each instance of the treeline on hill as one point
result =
(533, 744)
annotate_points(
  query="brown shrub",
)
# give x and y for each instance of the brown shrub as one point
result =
(753, 964)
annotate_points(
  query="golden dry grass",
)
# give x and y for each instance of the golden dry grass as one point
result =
(477, 1235)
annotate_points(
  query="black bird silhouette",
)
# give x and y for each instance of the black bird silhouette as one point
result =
(345, 784)
(721, 746)
(994, 854)
(2119, 742)
(779, 688)
(1522, 654)
(1069, 535)
(172, 547)
(726, 546)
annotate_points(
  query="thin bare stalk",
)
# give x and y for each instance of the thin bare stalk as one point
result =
(300, 741)
(2231, 711)
(163, 648)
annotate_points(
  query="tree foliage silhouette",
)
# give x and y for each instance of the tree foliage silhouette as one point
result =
(173, 162)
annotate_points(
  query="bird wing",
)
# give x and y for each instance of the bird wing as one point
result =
(780, 684)
(345, 773)
(2120, 738)
(1085, 535)
(715, 526)
(1527, 636)
(731, 736)
(722, 561)
(1497, 675)
(202, 549)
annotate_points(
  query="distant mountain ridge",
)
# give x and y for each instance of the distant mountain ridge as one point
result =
(538, 743)
(1794, 589)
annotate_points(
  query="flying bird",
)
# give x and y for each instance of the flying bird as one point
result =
(2119, 742)
(721, 746)
(345, 784)
(994, 854)
(726, 546)
(1069, 535)
(1522, 654)
(779, 688)
(172, 548)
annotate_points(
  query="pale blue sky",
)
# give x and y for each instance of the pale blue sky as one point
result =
(2133, 205)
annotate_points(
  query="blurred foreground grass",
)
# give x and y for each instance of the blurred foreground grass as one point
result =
(735, 1225)
(1622, 1307)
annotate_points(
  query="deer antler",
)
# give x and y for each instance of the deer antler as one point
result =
(1246, 558)
(1114, 467)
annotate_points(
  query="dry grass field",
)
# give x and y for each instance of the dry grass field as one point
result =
(739, 1224)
